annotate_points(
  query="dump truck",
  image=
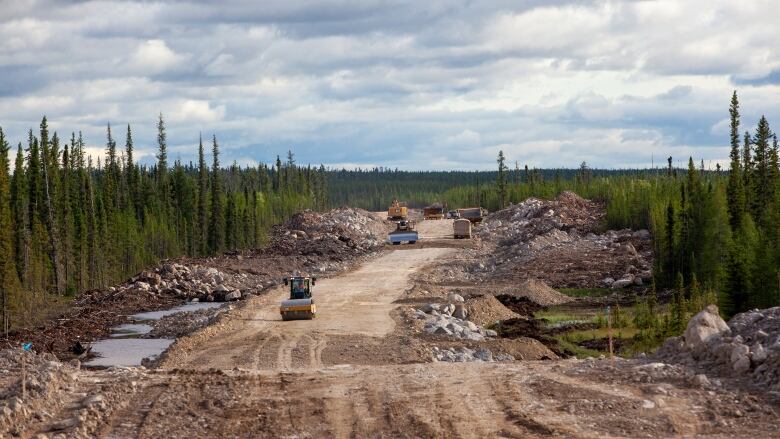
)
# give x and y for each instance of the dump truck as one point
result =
(473, 214)
(462, 228)
(453, 214)
(300, 305)
(397, 211)
(404, 232)
(434, 212)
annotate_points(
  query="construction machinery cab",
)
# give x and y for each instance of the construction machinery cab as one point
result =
(300, 287)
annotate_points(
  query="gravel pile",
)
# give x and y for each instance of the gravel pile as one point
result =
(463, 355)
(748, 346)
(561, 242)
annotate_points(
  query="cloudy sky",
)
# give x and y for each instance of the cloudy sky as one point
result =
(436, 84)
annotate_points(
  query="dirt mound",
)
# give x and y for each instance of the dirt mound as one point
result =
(484, 310)
(540, 293)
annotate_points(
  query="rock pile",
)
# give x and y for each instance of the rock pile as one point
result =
(184, 323)
(450, 320)
(560, 241)
(336, 234)
(748, 346)
(464, 354)
(194, 282)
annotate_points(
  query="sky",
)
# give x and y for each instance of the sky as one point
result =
(437, 84)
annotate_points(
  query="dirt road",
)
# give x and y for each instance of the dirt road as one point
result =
(350, 309)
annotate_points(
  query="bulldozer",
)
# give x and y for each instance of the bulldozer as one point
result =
(300, 305)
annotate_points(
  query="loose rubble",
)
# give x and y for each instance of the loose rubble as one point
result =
(560, 242)
(184, 323)
(450, 320)
(747, 347)
(464, 355)
(193, 283)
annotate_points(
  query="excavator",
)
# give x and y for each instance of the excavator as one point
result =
(300, 305)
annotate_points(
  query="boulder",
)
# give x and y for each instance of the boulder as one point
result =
(460, 311)
(454, 298)
(758, 354)
(703, 327)
(624, 282)
(233, 295)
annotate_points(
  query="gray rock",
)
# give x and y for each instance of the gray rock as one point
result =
(701, 381)
(440, 330)
(454, 297)
(427, 308)
(758, 353)
(742, 365)
(483, 354)
(233, 295)
(608, 281)
(703, 327)
(448, 309)
(491, 333)
(460, 311)
(738, 352)
(625, 281)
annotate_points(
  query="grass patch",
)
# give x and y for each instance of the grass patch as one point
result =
(578, 351)
(590, 334)
(586, 292)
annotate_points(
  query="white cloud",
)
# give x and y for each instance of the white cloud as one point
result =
(197, 111)
(416, 85)
(154, 56)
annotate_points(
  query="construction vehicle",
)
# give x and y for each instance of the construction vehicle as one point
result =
(434, 212)
(404, 232)
(462, 228)
(397, 211)
(453, 214)
(300, 305)
(473, 214)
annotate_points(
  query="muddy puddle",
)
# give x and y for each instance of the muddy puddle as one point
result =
(127, 348)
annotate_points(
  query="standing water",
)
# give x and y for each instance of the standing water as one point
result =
(125, 348)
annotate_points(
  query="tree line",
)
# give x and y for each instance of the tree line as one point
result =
(70, 224)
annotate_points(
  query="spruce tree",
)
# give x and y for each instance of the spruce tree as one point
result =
(217, 217)
(736, 188)
(162, 163)
(501, 180)
(761, 186)
(203, 181)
